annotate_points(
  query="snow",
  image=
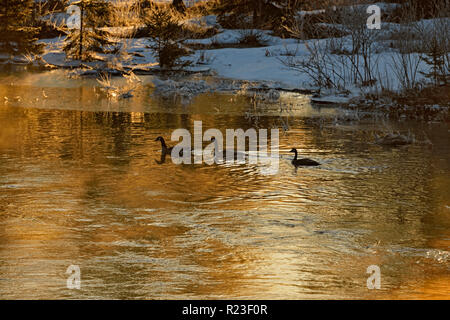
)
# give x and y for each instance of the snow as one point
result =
(184, 89)
(259, 64)
(252, 64)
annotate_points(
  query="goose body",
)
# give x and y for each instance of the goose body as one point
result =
(164, 148)
(303, 162)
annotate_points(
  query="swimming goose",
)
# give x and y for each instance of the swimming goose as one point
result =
(302, 162)
(164, 148)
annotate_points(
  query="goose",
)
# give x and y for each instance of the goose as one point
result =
(164, 148)
(162, 160)
(302, 162)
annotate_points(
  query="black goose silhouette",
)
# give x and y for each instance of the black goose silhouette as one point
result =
(164, 148)
(162, 160)
(303, 162)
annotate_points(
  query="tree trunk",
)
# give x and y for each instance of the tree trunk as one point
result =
(80, 53)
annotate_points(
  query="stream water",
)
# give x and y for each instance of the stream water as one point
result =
(81, 184)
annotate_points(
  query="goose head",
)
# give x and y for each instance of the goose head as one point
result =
(295, 153)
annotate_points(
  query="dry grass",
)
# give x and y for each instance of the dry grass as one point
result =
(252, 38)
(427, 96)
(201, 9)
(118, 92)
(125, 13)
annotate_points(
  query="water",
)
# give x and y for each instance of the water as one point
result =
(80, 184)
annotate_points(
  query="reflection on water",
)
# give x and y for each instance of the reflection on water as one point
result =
(80, 184)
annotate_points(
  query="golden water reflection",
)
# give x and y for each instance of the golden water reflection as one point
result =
(84, 188)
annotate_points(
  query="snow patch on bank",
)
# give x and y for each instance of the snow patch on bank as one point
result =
(259, 64)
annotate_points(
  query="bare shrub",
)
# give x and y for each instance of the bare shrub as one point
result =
(336, 62)
(421, 9)
(322, 67)
(354, 22)
(418, 42)
(405, 67)
(312, 25)
(287, 51)
(125, 13)
(405, 61)
(205, 58)
(252, 38)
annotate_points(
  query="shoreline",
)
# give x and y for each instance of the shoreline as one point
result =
(386, 105)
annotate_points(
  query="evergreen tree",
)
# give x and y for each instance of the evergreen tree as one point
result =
(82, 43)
(17, 35)
(435, 57)
(167, 37)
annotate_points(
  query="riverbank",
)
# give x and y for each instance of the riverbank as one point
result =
(262, 62)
